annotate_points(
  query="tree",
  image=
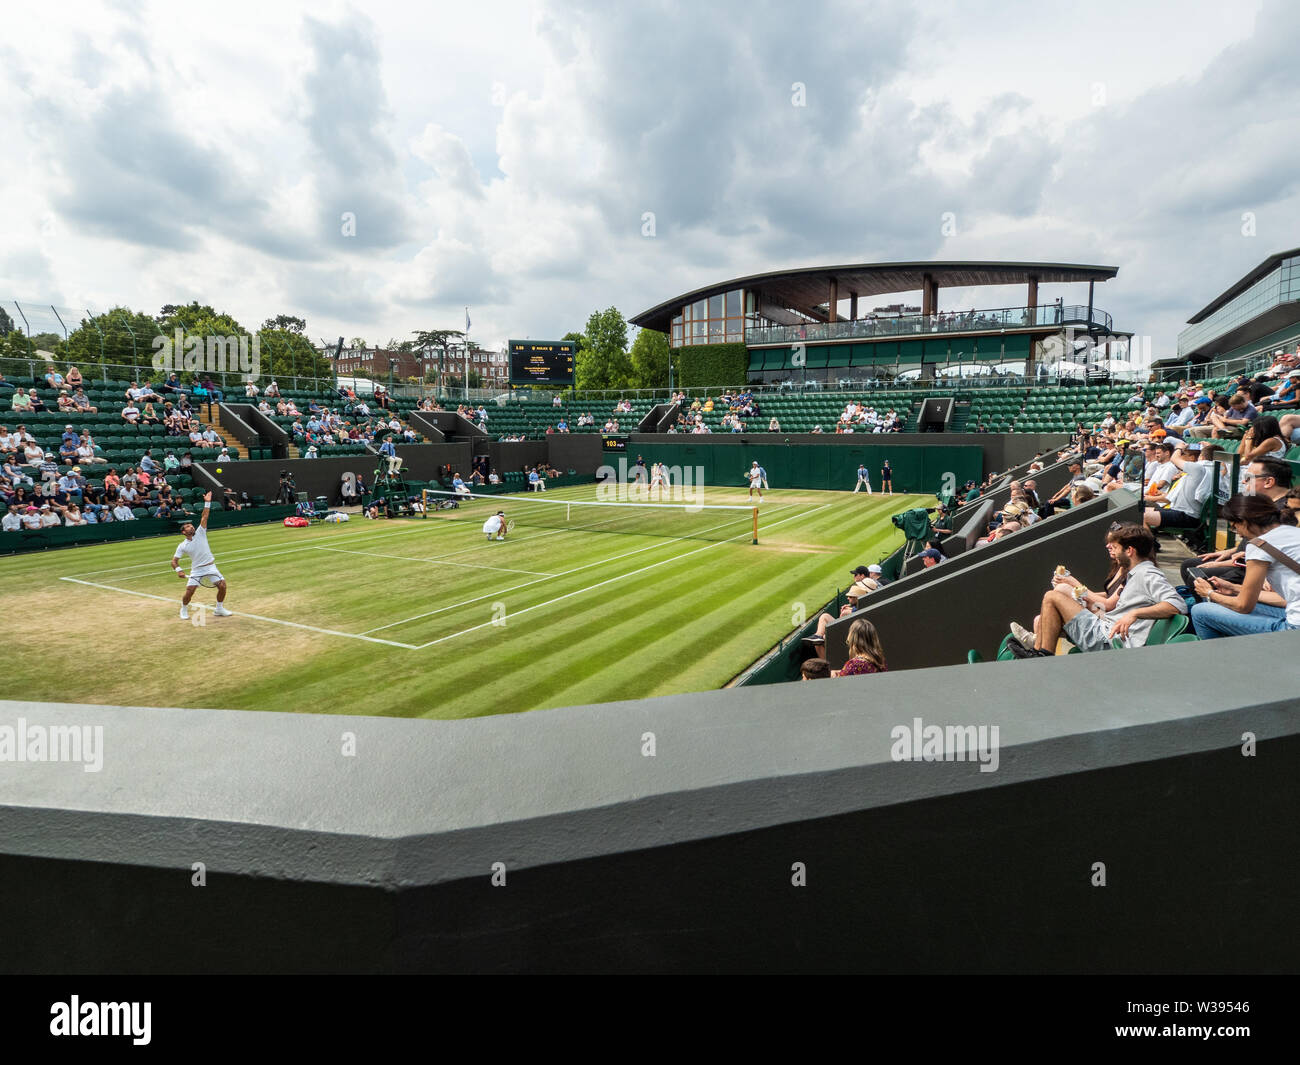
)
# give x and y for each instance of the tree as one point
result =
(121, 336)
(287, 322)
(6, 323)
(358, 342)
(602, 361)
(431, 340)
(649, 357)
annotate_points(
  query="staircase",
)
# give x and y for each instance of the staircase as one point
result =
(236, 448)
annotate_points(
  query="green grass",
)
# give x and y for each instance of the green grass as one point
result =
(581, 617)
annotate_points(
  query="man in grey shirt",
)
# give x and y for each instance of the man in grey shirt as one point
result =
(1147, 597)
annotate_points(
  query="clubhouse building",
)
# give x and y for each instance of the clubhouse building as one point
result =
(813, 325)
(1257, 315)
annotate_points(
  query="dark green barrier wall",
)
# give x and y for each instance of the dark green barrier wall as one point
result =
(818, 466)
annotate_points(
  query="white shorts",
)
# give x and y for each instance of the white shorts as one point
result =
(206, 571)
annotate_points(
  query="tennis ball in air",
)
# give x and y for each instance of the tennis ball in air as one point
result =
(218, 469)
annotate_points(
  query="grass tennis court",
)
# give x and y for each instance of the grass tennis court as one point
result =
(425, 618)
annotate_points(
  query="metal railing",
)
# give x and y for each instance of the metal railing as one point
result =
(975, 321)
(32, 371)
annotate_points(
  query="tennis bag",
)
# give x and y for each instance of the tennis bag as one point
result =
(296, 523)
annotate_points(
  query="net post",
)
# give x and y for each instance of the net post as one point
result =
(755, 509)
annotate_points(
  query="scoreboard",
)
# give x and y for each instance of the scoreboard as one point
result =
(610, 442)
(542, 362)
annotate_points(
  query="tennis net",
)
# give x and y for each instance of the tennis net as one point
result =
(671, 520)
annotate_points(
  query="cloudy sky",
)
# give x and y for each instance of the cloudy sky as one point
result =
(503, 155)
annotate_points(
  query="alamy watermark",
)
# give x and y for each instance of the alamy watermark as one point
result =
(656, 483)
(27, 742)
(188, 354)
(920, 742)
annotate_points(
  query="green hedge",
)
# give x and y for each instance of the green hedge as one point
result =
(702, 365)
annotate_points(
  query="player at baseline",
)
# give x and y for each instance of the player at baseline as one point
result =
(756, 480)
(202, 563)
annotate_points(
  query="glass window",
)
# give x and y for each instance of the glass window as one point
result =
(698, 327)
(715, 329)
(715, 307)
(700, 311)
(733, 303)
(677, 320)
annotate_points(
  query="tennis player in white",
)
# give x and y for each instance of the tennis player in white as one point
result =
(755, 476)
(495, 526)
(202, 564)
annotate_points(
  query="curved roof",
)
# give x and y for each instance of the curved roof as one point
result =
(807, 288)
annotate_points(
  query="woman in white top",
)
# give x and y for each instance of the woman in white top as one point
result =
(1253, 608)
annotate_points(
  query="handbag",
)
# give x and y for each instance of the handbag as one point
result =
(1285, 559)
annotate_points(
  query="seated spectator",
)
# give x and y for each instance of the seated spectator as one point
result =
(1180, 507)
(865, 653)
(1147, 597)
(814, 669)
(21, 401)
(122, 512)
(536, 483)
(1268, 598)
(72, 515)
(493, 478)
(857, 599)
(251, 390)
(31, 518)
(273, 389)
(12, 520)
(74, 378)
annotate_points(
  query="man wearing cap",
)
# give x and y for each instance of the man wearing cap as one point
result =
(857, 599)
(1286, 397)
(1062, 497)
(864, 478)
(930, 557)
(1179, 507)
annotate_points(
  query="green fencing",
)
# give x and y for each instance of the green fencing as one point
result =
(821, 466)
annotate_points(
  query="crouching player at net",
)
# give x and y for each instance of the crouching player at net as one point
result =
(496, 526)
(203, 566)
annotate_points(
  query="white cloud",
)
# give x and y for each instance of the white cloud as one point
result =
(503, 156)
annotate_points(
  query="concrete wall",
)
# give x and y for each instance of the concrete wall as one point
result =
(321, 477)
(577, 451)
(381, 861)
(518, 455)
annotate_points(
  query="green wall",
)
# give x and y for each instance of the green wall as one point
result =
(705, 365)
(820, 466)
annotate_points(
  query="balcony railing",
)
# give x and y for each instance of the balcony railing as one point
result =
(986, 321)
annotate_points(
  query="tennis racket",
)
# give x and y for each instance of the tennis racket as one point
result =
(510, 525)
(207, 581)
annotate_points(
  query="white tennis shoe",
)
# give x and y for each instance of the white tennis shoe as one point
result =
(185, 612)
(220, 611)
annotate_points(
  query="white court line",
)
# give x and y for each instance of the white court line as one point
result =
(621, 576)
(242, 614)
(526, 584)
(251, 553)
(434, 561)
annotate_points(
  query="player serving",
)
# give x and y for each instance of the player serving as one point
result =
(495, 527)
(203, 567)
